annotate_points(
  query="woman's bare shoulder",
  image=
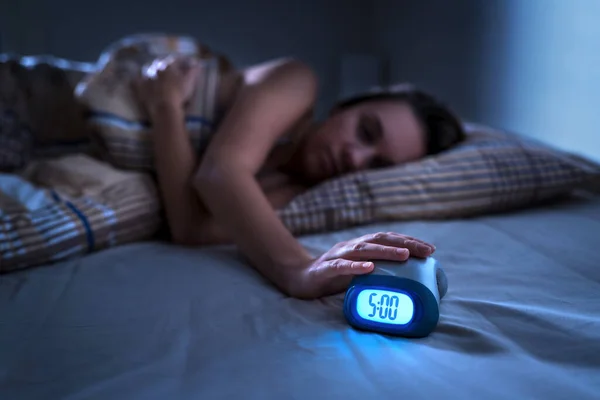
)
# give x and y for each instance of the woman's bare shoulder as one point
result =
(286, 69)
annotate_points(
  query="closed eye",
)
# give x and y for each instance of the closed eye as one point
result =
(365, 135)
(369, 130)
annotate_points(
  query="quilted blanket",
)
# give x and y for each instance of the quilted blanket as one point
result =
(70, 206)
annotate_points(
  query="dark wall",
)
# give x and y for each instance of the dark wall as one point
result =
(531, 66)
(317, 31)
(435, 44)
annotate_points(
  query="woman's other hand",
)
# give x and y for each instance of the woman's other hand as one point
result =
(332, 272)
(169, 82)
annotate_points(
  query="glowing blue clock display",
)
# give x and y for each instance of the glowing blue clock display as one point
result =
(401, 298)
(384, 306)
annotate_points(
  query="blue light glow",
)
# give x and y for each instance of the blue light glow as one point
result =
(384, 306)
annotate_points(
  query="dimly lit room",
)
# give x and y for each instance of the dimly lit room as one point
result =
(317, 199)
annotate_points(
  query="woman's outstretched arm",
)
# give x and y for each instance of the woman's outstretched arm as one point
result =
(273, 97)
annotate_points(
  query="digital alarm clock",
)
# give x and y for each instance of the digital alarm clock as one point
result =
(397, 298)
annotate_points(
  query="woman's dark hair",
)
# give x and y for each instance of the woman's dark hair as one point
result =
(442, 127)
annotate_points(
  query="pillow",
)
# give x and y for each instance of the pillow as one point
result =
(491, 171)
(119, 124)
(70, 206)
(38, 110)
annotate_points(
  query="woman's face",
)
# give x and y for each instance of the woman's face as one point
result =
(371, 134)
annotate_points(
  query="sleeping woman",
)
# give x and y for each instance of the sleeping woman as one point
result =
(267, 149)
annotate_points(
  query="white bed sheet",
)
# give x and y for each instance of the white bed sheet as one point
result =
(152, 321)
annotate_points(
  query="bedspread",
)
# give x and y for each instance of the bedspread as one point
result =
(521, 320)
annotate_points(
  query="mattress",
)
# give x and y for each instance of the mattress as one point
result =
(151, 320)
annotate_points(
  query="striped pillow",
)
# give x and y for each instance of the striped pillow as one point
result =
(119, 124)
(489, 172)
(71, 206)
(38, 111)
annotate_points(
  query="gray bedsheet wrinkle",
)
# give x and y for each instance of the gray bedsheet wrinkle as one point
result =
(525, 323)
(457, 337)
(550, 242)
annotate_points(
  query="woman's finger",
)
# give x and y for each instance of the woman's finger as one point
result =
(340, 266)
(150, 71)
(188, 64)
(417, 248)
(363, 251)
(412, 238)
(167, 61)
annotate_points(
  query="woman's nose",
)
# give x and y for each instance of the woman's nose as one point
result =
(355, 158)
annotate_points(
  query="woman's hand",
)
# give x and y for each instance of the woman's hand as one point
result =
(332, 272)
(163, 89)
(169, 82)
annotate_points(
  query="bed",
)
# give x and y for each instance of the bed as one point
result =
(151, 320)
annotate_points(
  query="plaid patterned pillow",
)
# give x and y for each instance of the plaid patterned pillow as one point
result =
(39, 115)
(491, 171)
(70, 207)
(16, 140)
